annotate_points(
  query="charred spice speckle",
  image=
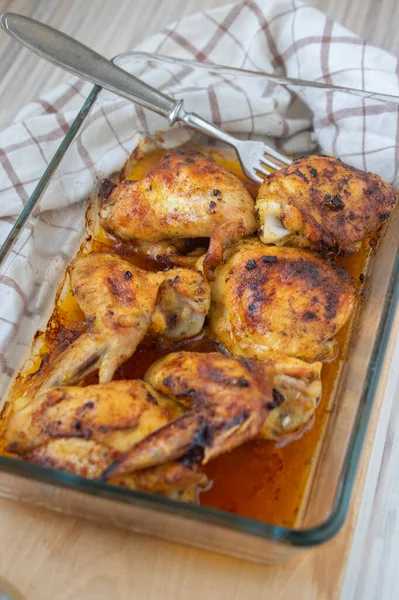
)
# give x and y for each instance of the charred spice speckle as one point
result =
(251, 264)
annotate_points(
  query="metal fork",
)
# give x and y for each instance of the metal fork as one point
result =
(71, 55)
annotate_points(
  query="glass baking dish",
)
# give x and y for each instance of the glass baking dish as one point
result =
(32, 262)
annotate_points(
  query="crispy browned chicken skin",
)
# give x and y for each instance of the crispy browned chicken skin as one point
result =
(188, 196)
(225, 403)
(116, 414)
(121, 303)
(82, 430)
(295, 384)
(319, 202)
(282, 300)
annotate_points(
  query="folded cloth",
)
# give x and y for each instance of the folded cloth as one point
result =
(283, 36)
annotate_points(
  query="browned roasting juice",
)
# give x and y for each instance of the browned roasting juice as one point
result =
(261, 479)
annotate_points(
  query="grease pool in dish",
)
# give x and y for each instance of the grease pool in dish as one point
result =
(217, 442)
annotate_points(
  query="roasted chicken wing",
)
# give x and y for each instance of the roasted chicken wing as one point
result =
(121, 303)
(320, 202)
(296, 385)
(116, 414)
(286, 301)
(225, 405)
(82, 430)
(188, 196)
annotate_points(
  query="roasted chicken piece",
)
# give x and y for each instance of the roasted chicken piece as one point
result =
(320, 202)
(296, 388)
(288, 301)
(188, 196)
(116, 414)
(121, 303)
(296, 385)
(225, 404)
(82, 430)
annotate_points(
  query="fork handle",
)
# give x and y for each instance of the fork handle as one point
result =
(206, 127)
(69, 54)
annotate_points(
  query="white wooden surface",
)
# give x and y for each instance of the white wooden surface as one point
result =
(112, 26)
(372, 572)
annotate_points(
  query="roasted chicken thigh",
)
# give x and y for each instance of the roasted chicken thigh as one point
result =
(188, 196)
(122, 303)
(287, 301)
(320, 202)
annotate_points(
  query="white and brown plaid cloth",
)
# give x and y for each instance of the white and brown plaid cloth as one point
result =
(283, 36)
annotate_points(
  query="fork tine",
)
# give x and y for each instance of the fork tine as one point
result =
(270, 162)
(262, 171)
(280, 157)
(255, 177)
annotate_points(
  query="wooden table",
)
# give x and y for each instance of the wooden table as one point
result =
(47, 556)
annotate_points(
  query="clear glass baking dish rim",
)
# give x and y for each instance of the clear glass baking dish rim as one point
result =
(296, 537)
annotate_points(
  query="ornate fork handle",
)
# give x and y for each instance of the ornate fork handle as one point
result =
(69, 54)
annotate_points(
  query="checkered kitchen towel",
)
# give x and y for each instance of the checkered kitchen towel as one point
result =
(283, 36)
